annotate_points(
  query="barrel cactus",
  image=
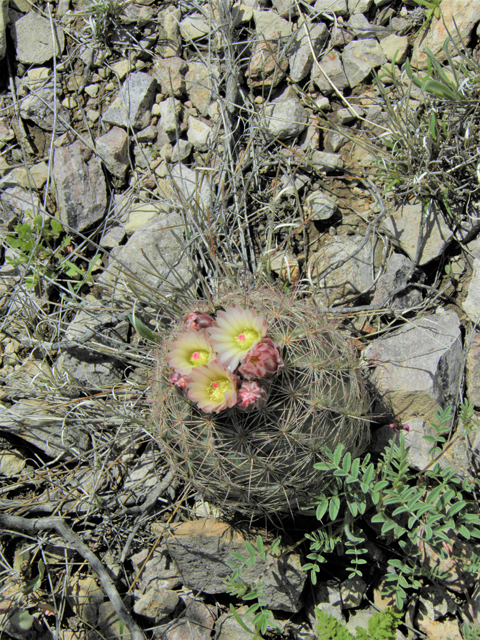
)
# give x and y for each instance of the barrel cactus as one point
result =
(254, 450)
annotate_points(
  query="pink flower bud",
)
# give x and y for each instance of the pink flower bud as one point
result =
(262, 361)
(179, 380)
(251, 396)
(198, 320)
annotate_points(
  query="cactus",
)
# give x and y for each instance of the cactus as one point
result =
(262, 461)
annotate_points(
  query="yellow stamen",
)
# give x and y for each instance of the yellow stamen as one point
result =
(217, 390)
(246, 339)
(199, 358)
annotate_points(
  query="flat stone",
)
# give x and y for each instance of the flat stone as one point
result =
(170, 73)
(11, 464)
(418, 367)
(300, 52)
(80, 186)
(200, 86)
(471, 305)
(181, 150)
(359, 58)
(439, 629)
(395, 47)
(159, 573)
(228, 628)
(195, 26)
(330, 66)
(399, 272)
(270, 26)
(170, 111)
(435, 602)
(268, 65)
(335, 7)
(359, 6)
(473, 370)
(201, 550)
(457, 21)
(32, 35)
(17, 205)
(328, 598)
(324, 161)
(41, 107)
(34, 177)
(122, 68)
(404, 227)
(285, 118)
(199, 133)
(319, 206)
(113, 150)
(352, 591)
(157, 605)
(360, 27)
(141, 214)
(135, 99)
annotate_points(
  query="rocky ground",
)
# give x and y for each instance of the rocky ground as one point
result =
(150, 147)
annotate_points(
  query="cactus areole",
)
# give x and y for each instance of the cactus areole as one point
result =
(247, 399)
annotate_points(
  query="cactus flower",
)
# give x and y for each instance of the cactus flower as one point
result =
(198, 320)
(212, 387)
(262, 361)
(179, 380)
(190, 350)
(251, 396)
(237, 332)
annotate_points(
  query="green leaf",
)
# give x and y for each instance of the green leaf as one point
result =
(337, 456)
(239, 620)
(334, 507)
(144, 331)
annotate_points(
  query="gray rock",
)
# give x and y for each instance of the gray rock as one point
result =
(347, 115)
(352, 271)
(113, 150)
(3, 27)
(331, 67)
(134, 101)
(285, 118)
(328, 598)
(359, 6)
(181, 150)
(170, 73)
(400, 271)
(327, 161)
(359, 59)
(192, 185)
(202, 548)
(270, 26)
(301, 57)
(158, 246)
(17, 205)
(473, 370)
(41, 107)
(196, 622)
(46, 430)
(404, 227)
(334, 141)
(156, 605)
(227, 627)
(435, 602)
(285, 8)
(471, 306)
(158, 573)
(418, 367)
(170, 111)
(394, 46)
(80, 186)
(361, 27)
(359, 619)
(200, 85)
(319, 206)
(352, 591)
(336, 7)
(195, 26)
(32, 35)
(148, 135)
(91, 371)
(199, 133)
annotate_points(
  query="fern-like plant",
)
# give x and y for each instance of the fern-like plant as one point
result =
(263, 461)
(381, 626)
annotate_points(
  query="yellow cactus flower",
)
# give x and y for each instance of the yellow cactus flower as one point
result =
(212, 387)
(190, 350)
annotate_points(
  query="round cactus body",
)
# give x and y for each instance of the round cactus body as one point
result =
(262, 461)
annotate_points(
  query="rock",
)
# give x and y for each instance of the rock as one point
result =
(347, 115)
(395, 47)
(418, 367)
(268, 65)
(148, 134)
(91, 371)
(32, 35)
(319, 206)
(41, 107)
(327, 161)
(300, 52)
(404, 227)
(34, 177)
(157, 605)
(171, 111)
(471, 305)
(17, 205)
(359, 619)
(340, 34)
(457, 21)
(333, 141)
(331, 67)
(473, 370)
(199, 133)
(46, 430)
(3, 27)
(285, 266)
(11, 464)
(285, 118)
(195, 26)
(439, 630)
(191, 185)
(228, 628)
(202, 548)
(285, 8)
(171, 41)
(141, 214)
(359, 58)
(158, 574)
(81, 191)
(113, 150)
(200, 85)
(133, 104)
(360, 27)
(435, 603)
(121, 69)
(337, 7)
(170, 73)
(328, 598)
(181, 151)
(156, 246)
(196, 622)
(399, 272)
(351, 592)
(359, 6)
(270, 26)
(353, 274)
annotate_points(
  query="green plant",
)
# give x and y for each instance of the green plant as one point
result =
(432, 8)
(237, 586)
(101, 14)
(418, 515)
(381, 626)
(40, 247)
(471, 631)
(263, 461)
